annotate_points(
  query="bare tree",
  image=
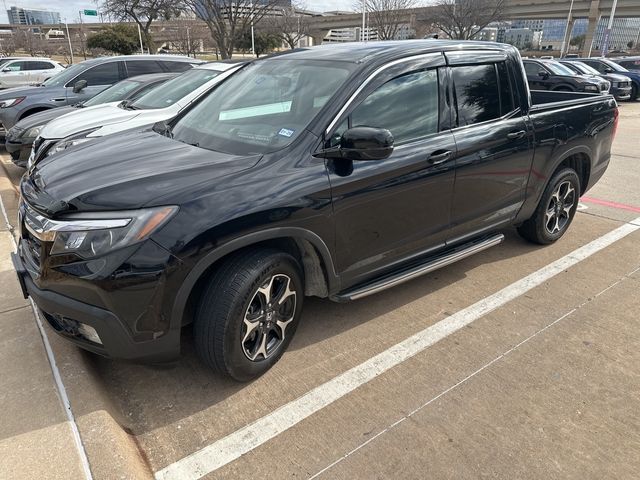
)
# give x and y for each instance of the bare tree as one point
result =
(187, 37)
(463, 19)
(7, 45)
(144, 13)
(289, 25)
(386, 16)
(230, 20)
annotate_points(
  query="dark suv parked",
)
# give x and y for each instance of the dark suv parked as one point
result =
(604, 65)
(620, 85)
(552, 75)
(336, 171)
(82, 81)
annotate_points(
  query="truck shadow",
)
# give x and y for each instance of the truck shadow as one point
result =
(150, 397)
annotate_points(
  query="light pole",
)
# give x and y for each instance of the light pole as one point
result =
(69, 40)
(253, 37)
(364, 20)
(607, 33)
(140, 39)
(566, 40)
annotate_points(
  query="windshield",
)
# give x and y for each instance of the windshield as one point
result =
(584, 68)
(263, 107)
(115, 93)
(64, 76)
(5, 60)
(559, 69)
(175, 89)
(615, 67)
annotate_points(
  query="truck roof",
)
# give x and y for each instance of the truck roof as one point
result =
(360, 52)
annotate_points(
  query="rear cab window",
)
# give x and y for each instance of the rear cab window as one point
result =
(477, 96)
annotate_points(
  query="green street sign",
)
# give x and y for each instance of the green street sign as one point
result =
(91, 13)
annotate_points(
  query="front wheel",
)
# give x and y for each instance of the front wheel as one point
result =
(556, 209)
(249, 312)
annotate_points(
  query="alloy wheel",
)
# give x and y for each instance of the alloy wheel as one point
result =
(558, 213)
(270, 311)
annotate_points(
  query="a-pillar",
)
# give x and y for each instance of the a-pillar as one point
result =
(594, 18)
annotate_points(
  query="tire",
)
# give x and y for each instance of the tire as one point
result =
(634, 92)
(238, 297)
(555, 211)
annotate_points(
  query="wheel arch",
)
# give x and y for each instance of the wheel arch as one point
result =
(578, 159)
(314, 255)
(32, 110)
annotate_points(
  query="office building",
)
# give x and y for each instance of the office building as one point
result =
(32, 16)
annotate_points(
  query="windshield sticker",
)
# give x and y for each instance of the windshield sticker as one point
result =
(286, 132)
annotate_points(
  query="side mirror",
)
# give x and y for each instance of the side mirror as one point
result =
(543, 74)
(6, 70)
(608, 70)
(362, 143)
(79, 86)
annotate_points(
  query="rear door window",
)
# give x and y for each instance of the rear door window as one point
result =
(507, 102)
(142, 67)
(477, 93)
(532, 69)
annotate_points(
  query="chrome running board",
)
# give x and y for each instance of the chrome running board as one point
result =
(413, 272)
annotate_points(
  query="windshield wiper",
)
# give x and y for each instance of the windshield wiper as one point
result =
(128, 105)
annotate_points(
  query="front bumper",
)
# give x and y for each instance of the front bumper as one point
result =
(621, 93)
(63, 313)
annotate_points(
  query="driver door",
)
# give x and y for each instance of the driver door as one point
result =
(14, 74)
(388, 211)
(98, 78)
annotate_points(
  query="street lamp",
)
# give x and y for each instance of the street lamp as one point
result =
(566, 32)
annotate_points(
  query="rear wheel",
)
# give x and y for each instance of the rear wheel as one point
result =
(556, 209)
(249, 312)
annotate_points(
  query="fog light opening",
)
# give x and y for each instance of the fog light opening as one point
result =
(89, 333)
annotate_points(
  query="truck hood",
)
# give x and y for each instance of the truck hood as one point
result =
(125, 171)
(87, 118)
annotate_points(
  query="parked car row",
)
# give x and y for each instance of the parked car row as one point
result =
(579, 75)
(225, 196)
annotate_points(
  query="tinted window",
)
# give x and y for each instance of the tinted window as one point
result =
(600, 67)
(142, 67)
(144, 90)
(175, 66)
(476, 88)
(407, 106)
(532, 69)
(40, 66)
(105, 74)
(559, 69)
(507, 103)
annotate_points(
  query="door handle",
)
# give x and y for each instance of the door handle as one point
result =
(58, 99)
(436, 158)
(516, 135)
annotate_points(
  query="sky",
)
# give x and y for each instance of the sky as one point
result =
(70, 8)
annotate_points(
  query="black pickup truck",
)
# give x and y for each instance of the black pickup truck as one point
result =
(335, 171)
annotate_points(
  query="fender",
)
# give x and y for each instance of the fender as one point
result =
(333, 281)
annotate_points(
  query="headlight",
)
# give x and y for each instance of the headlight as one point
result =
(91, 235)
(71, 141)
(33, 132)
(591, 88)
(10, 102)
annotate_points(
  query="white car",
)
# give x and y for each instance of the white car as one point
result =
(21, 71)
(161, 103)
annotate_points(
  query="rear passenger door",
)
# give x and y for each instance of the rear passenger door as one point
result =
(39, 70)
(493, 140)
(390, 210)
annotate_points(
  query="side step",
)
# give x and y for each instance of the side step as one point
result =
(417, 270)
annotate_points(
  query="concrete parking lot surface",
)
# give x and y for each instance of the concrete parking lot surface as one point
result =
(539, 382)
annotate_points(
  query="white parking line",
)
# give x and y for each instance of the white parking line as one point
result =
(469, 377)
(231, 447)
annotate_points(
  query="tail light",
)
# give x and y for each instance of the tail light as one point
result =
(616, 116)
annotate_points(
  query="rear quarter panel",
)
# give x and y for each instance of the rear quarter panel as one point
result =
(564, 129)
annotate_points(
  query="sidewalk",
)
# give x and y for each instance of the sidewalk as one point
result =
(36, 438)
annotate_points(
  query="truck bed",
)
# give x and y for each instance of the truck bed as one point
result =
(543, 99)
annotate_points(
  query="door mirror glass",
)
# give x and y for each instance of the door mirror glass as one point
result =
(363, 143)
(79, 86)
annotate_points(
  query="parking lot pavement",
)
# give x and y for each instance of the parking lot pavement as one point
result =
(542, 383)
